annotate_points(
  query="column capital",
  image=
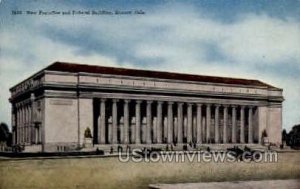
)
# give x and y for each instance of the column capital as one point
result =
(225, 105)
(103, 99)
(180, 103)
(208, 105)
(170, 102)
(250, 106)
(190, 103)
(17, 105)
(160, 102)
(127, 101)
(115, 100)
(138, 101)
(233, 106)
(149, 101)
(217, 105)
(199, 104)
(242, 106)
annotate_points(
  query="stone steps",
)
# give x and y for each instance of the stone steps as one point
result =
(213, 147)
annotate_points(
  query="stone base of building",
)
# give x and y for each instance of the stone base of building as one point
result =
(61, 147)
(108, 148)
(33, 148)
(168, 147)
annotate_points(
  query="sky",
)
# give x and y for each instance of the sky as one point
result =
(255, 39)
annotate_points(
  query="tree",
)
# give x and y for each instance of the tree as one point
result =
(284, 135)
(5, 135)
(4, 132)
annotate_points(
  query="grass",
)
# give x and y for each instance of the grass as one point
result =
(110, 173)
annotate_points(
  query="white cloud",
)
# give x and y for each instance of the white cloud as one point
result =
(30, 53)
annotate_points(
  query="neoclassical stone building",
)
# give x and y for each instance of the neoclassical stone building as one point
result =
(52, 109)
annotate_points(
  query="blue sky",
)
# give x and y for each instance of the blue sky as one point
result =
(249, 39)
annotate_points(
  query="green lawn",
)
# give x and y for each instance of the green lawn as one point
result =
(110, 173)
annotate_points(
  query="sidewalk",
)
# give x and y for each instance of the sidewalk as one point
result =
(264, 184)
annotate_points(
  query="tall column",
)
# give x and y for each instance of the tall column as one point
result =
(149, 122)
(154, 128)
(26, 124)
(22, 125)
(179, 122)
(225, 121)
(132, 129)
(217, 133)
(29, 123)
(250, 129)
(138, 122)
(126, 121)
(208, 117)
(199, 123)
(184, 126)
(13, 122)
(165, 126)
(233, 131)
(32, 98)
(102, 128)
(17, 124)
(189, 123)
(242, 133)
(40, 134)
(170, 122)
(36, 135)
(159, 122)
(115, 121)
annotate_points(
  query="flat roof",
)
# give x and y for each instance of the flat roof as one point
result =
(75, 68)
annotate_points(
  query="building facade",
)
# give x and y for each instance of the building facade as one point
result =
(52, 110)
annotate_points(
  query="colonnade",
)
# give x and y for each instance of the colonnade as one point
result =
(25, 130)
(128, 121)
